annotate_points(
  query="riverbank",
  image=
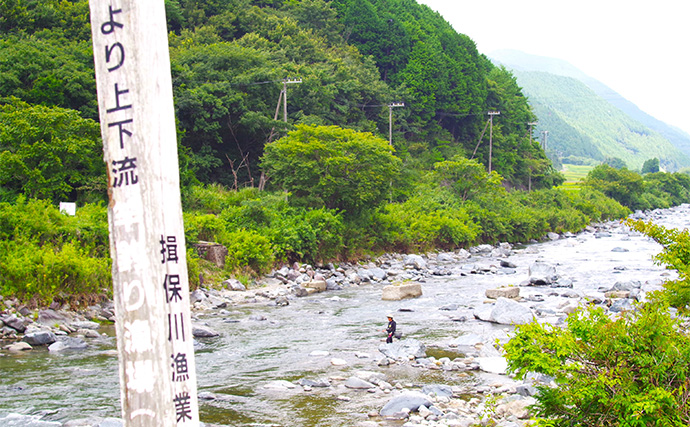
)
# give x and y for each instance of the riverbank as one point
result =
(451, 331)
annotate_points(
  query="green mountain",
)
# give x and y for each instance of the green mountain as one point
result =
(586, 120)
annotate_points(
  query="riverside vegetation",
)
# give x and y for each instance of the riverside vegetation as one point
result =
(323, 186)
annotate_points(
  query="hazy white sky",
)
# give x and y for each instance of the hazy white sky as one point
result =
(639, 48)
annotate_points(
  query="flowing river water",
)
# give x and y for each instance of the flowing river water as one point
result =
(260, 343)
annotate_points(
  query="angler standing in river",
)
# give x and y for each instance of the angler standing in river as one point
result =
(390, 329)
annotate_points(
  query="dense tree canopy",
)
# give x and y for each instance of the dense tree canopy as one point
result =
(332, 167)
(353, 58)
(49, 153)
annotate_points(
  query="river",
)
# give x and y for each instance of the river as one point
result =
(260, 343)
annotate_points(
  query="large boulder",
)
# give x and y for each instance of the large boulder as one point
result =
(201, 331)
(358, 383)
(51, 317)
(86, 324)
(16, 323)
(67, 343)
(316, 285)
(494, 365)
(508, 292)
(542, 274)
(505, 312)
(40, 338)
(415, 261)
(438, 390)
(509, 312)
(403, 350)
(401, 291)
(378, 273)
(19, 346)
(234, 285)
(410, 400)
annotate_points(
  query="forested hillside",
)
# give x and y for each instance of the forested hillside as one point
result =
(229, 60)
(612, 127)
(581, 124)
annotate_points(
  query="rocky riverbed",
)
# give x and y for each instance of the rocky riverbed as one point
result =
(307, 339)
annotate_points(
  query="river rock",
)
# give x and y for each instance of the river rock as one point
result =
(18, 420)
(85, 325)
(526, 390)
(445, 258)
(509, 292)
(197, 296)
(67, 343)
(410, 400)
(280, 385)
(484, 312)
(358, 383)
(507, 264)
(541, 273)
(19, 346)
(467, 340)
(201, 331)
(316, 285)
(415, 261)
(494, 365)
(378, 273)
(15, 323)
(40, 338)
(403, 350)
(51, 317)
(617, 294)
(370, 376)
(438, 390)
(481, 249)
(621, 305)
(304, 382)
(626, 286)
(234, 285)
(505, 312)
(552, 236)
(402, 291)
(518, 408)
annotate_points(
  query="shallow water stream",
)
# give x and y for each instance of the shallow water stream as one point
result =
(347, 324)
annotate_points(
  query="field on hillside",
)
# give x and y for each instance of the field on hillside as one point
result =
(573, 175)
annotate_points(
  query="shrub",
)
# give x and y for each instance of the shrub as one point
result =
(422, 224)
(203, 227)
(631, 371)
(44, 272)
(247, 248)
(597, 206)
(301, 234)
(676, 255)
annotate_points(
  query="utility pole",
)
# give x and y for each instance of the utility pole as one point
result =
(147, 242)
(282, 97)
(530, 124)
(283, 94)
(390, 119)
(491, 133)
(545, 138)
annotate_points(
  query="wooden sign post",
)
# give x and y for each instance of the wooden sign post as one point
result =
(147, 245)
